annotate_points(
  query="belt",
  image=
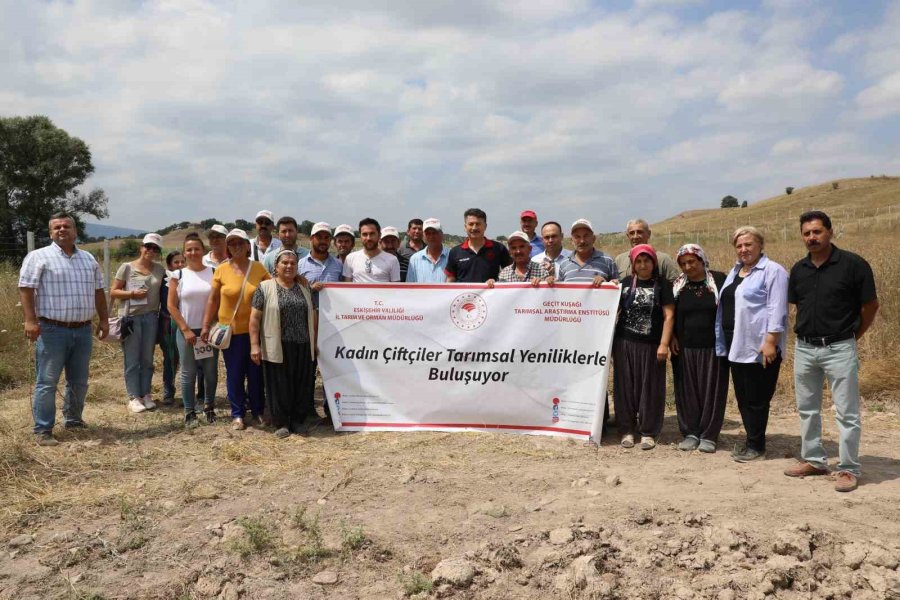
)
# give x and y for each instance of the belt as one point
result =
(826, 340)
(66, 324)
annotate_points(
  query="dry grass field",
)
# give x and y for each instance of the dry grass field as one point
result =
(137, 507)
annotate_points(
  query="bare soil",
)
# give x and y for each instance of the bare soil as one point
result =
(136, 507)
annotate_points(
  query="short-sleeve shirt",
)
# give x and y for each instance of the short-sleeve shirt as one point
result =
(467, 266)
(668, 268)
(229, 282)
(509, 274)
(193, 289)
(424, 270)
(135, 280)
(570, 270)
(64, 285)
(268, 259)
(642, 321)
(552, 265)
(315, 271)
(381, 268)
(292, 312)
(537, 245)
(256, 253)
(829, 297)
(695, 313)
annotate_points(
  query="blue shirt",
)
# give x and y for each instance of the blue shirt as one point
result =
(760, 307)
(315, 271)
(600, 264)
(552, 265)
(537, 245)
(423, 270)
(64, 285)
(268, 260)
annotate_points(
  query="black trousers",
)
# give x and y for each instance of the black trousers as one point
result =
(754, 386)
(288, 386)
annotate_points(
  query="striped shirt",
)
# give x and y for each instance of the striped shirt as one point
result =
(599, 264)
(64, 285)
(510, 275)
(315, 271)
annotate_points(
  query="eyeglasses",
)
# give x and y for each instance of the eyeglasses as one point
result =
(152, 248)
(265, 224)
(368, 266)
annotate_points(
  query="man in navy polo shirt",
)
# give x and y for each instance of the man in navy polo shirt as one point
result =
(477, 259)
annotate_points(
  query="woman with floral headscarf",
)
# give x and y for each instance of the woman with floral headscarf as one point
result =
(701, 377)
(641, 348)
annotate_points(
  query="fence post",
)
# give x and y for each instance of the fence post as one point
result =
(106, 280)
(29, 237)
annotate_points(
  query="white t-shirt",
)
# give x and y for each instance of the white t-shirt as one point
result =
(382, 268)
(193, 292)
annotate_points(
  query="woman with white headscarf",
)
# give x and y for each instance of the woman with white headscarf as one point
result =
(701, 377)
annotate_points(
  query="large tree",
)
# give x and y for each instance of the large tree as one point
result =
(41, 169)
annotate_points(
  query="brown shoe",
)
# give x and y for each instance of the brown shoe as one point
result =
(804, 469)
(844, 481)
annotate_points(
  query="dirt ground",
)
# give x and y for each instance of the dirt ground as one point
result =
(136, 507)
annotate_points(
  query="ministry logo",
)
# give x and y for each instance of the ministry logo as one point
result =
(468, 311)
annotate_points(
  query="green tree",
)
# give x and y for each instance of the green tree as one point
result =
(305, 227)
(41, 169)
(245, 225)
(730, 202)
(127, 249)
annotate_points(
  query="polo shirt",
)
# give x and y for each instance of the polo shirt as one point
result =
(315, 271)
(829, 298)
(467, 266)
(268, 259)
(423, 270)
(64, 285)
(668, 268)
(600, 264)
(403, 259)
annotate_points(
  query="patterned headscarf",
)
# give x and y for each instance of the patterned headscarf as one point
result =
(633, 254)
(682, 279)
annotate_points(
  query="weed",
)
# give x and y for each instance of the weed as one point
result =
(132, 534)
(352, 538)
(314, 549)
(415, 583)
(258, 537)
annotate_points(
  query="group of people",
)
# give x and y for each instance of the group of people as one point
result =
(265, 290)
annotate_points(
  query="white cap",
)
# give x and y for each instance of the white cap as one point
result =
(267, 214)
(344, 229)
(321, 226)
(237, 233)
(431, 224)
(388, 231)
(582, 223)
(153, 238)
(218, 229)
(518, 235)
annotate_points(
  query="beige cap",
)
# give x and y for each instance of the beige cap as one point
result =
(267, 214)
(431, 224)
(237, 233)
(518, 235)
(320, 226)
(153, 238)
(344, 229)
(218, 229)
(390, 231)
(582, 223)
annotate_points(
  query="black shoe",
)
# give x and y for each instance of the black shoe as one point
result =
(75, 425)
(745, 455)
(299, 427)
(45, 438)
(191, 422)
(210, 413)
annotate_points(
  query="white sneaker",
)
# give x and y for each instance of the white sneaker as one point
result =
(149, 404)
(135, 405)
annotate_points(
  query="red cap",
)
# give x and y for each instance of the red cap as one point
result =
(528, 213)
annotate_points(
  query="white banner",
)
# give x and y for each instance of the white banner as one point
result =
(450, 357)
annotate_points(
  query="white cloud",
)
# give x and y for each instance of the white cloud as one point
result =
(882, 99)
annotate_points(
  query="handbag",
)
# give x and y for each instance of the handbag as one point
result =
(220, 334)
(121, 327)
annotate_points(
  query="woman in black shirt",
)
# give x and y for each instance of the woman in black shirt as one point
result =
(640, 349)
(701, 377)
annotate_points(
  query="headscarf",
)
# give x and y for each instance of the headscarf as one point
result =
(682, 279)
(633, 254)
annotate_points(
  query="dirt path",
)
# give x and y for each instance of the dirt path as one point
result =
(135, 507)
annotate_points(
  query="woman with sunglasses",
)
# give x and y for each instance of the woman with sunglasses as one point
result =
(137, 287)
(225, 301)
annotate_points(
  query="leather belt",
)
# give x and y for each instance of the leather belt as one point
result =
(66, 324)
(826, 340)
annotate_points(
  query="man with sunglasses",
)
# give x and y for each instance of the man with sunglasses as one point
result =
(264, 243)
(371, 264)
(60, 288)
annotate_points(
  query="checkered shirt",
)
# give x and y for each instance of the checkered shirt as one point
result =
(64, 285)
(509, 274)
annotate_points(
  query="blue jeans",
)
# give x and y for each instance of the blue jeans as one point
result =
(189, 370)
(138, 350)
(170, 353)
(840, 364)
(238, 368)
(59, 349)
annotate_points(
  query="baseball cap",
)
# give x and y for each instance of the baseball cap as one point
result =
(518, 235)
(237, 233)
(265, 213)
(388, 231)
(153, 238)
(582, 223)
(344, 229)
(220, 229)
(528, 213)
(320, 226)
(431, 224)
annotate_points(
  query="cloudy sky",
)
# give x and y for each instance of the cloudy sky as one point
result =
(339, 109)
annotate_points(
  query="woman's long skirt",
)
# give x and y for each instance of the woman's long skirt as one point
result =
(288, 385)
(701, 392)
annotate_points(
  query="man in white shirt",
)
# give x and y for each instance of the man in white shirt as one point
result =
(371, 265)
(554, 253)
